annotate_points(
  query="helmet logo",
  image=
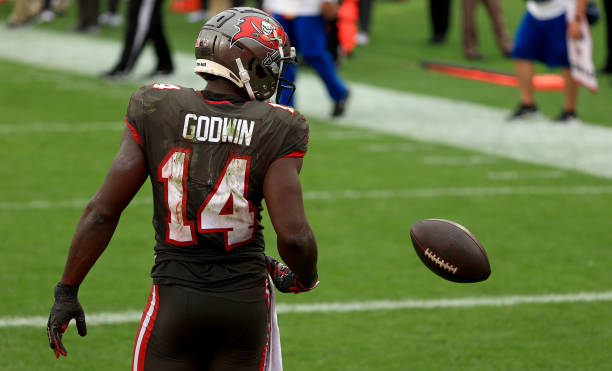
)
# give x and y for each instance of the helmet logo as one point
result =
(264, 32)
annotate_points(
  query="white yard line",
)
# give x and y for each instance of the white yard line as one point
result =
(61, 128)
(516, 175)
(580, 190)
(585, 148)
(354, 306)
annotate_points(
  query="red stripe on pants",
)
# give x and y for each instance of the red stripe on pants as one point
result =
(144, 330)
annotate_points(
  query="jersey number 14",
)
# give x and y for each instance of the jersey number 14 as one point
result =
(226, 209)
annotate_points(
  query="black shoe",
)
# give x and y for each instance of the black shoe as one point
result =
(115, 75)
(524, 112)
(567, 117)
(91, 29)
(340, 106)
(437, 39)
(474, 57)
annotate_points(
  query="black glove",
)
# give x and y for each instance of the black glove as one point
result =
(65, 308)
(284, 279)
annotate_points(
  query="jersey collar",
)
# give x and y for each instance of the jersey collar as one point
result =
(216, 98)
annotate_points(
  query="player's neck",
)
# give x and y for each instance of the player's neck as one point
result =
(222, 86)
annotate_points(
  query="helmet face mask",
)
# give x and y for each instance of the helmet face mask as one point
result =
(247, 47)
(284, 84)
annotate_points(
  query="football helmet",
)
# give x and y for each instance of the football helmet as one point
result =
(247, 47)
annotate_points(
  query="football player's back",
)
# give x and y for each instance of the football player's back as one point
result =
(207, 157)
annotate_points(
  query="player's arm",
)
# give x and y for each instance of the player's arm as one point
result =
(574, 27)
(126, 175)
(294, 238)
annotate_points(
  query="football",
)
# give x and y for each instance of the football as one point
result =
(449, 250)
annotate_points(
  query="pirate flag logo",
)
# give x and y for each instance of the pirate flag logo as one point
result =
(266, 33)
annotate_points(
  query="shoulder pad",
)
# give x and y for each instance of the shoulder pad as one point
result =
(287, 112)
(149, 98)
(280, 106)
(159, 91)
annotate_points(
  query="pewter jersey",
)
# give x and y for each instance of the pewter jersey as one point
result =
(207, 157)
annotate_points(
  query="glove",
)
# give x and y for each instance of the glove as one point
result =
(284, 279)
(65, 308)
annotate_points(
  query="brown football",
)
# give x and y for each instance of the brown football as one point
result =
(450, 250)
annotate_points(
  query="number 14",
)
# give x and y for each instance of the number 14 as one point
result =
(226, 208)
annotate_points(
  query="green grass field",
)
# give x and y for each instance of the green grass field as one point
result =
(59, 132)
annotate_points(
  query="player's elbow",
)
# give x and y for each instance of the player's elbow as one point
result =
(300, 244)
(98, 215)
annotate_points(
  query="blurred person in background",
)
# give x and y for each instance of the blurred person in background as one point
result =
(607, 68)
(439, 11)
(24, 12)
(89, 10)
(304, 22)
(111, 17)
(470, 40)
(51, 8)
(542, 36)
(365, 17)
(145, 22)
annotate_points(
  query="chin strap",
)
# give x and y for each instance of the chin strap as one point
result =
(244, 78)
(206, 66)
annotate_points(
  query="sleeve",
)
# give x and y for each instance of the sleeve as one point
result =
(135, 116)
(295, 143)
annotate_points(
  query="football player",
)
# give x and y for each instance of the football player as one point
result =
(212, 156)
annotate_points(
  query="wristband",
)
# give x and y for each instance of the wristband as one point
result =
(65, 291)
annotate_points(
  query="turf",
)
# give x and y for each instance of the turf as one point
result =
(538, 244)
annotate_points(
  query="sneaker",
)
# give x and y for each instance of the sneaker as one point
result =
(115, 75)
(567, 117)
(46, 16)
(524, 112)
(437, 39)
(363, 38)
(110, 19)
(340, 106)
(474, 56)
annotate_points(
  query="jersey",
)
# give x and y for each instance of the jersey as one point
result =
(207, 156)
(548, 9)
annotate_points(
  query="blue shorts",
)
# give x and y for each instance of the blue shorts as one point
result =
(544, 41)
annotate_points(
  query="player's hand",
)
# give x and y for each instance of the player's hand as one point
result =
(284, 279)
(574, 29)
(65, 308)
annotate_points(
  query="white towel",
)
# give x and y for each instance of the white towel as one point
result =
(274, 359)
(580, 53)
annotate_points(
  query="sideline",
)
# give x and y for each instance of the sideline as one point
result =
(584, 148)
(355, 306)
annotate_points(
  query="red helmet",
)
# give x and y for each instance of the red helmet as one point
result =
(247, 47)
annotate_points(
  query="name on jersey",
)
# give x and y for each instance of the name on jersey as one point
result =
(218, 129)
